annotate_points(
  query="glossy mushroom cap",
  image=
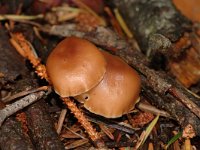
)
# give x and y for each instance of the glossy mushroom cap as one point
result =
(75, 66)
(117, 93)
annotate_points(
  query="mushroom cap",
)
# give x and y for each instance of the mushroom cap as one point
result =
(117, 93)
(75, 66)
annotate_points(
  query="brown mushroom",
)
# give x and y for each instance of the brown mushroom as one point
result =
(117, 93)
(75, 66)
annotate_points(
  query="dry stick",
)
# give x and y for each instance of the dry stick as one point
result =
(23, 93)
(109, 123)
(187, 102)
(76, 144)
(61, 120)
(20, 104)
(149, 108)
(84, 122)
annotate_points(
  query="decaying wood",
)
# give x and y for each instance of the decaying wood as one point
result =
(48, 133)
(13, 137)
(148, 17)
(161, 30)
(11, 63)
(41, 127)
(186, 68)
(155, 81)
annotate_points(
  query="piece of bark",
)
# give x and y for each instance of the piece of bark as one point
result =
(42, 128)
(12, 66)
(156, 81)
(164, 35)
(186, 68)
(13, 138)
(106, 36)
(11, 63)
(147, 17)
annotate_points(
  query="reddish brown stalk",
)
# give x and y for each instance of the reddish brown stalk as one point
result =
(113, 21)
(84, 122)
(25, 49)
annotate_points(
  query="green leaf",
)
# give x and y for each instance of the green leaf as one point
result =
(173, 139)
(149, 128)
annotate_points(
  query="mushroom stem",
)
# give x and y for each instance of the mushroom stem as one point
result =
(84, 122)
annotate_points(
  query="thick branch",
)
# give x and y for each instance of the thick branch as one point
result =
(42, 128)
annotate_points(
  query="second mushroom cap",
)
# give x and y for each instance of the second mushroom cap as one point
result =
(117, 93)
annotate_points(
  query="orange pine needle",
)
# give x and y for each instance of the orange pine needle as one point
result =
(114, 22)
(24, 48)
(86, 124)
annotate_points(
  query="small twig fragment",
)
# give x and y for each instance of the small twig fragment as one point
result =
(186, 101)
(20, 104)
(23, 93)
(76, 144)
(149, 108)
(106, 131)
(113, 21)
(61, 120)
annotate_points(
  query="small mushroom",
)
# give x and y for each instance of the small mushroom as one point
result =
(117, 93)
(75, 66)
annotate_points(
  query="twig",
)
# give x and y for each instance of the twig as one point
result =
(20, 17)
(20, 104)
(42, 127)
(23, 93)
(122, 23)
(185, 100)
(149, 108)
(110, 123)
(114, 22)
(61, 120)
(76, 144)
(120, 144)
(106, 131)
(77, 134)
